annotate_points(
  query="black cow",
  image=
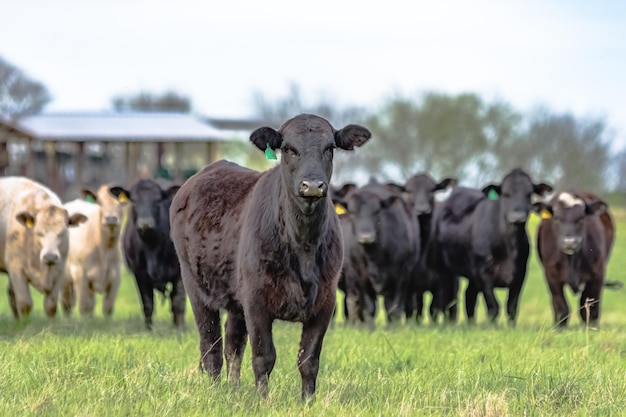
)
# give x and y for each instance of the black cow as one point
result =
(420, 190)
(360, 297)
(148, 248)
(574, 242)
(383, 225)
(481, 235)
(264, 246)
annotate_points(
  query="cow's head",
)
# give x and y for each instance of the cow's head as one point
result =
(110, 206)
(421, 189)
(514, 195)
(364, 206)
(147, 198)
(307, 143)
(566, 213)
(49, 227)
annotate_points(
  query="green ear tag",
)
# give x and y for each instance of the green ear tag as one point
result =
(90, 199)
(492, 194)
(269, 153)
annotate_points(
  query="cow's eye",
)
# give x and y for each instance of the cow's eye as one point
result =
(329, 151)
(506, 195)
(288, 150)
(39, 234)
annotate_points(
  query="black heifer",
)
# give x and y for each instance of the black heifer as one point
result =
(420, 190)
(354, 282)
(574, 241)
(389, 234)
(264, 246)
(481, 235)
(148, 248)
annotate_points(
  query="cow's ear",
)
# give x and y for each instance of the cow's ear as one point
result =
(351, 136)
(388, 202)
(492, 191)
(76, 219)
(170, 192)
(542, 189)
(542, 209)
(344, 190)
(26, 219)
(445, 184)
(122, 195)
(90, 196)
(265, 137)
(596, 207)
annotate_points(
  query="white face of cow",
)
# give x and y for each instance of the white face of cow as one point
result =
(49, 230)
(111, 211)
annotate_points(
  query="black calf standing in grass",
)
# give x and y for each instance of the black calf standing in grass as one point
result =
(264, 246)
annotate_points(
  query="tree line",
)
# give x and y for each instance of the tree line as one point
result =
(461, 135)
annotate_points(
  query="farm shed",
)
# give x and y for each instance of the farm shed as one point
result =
(70, 151)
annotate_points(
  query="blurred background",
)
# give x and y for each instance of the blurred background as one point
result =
(94, 92)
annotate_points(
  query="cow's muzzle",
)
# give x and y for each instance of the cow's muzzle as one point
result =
(516, 217)
(145, 224)
(366, 238)
(51, 258)
(313, 189)
(570, 244)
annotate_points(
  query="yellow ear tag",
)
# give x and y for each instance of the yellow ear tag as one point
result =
(339, 209)
(545, 214)
(30, 223)
(122, 198)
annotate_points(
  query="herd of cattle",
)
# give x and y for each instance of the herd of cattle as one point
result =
(277, 244)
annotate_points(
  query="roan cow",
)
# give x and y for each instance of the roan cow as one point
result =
(34, 242)
(148, 248)
(481, 235)
(420, 192)
(388, 233)
(95, 257)
(264, 246)
(574, 242)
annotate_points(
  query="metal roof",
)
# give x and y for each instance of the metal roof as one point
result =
(119, 127)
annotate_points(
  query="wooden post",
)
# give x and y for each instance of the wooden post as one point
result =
(178, 156)
(212, 152)
(80, 164)
(51, 163)
(132, 158)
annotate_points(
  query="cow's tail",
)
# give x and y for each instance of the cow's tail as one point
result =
(614, 285)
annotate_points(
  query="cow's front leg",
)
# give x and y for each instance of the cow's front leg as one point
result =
(559, 304)
(589, 309)
(146, 291)
(178, 300)
(19, 296)
(110, 293)
(259, 326)
(313, 331)
(493, 308)
(471, 296)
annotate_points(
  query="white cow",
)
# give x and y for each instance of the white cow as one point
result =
(95, 257)
(34, 242)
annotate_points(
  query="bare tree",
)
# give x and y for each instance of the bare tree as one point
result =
(20, 95)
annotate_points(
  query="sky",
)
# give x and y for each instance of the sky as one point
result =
(567, 55)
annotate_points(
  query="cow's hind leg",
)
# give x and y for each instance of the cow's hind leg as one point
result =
(236, 337)
(313, 332)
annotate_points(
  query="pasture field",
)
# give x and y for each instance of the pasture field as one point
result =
(99, 367)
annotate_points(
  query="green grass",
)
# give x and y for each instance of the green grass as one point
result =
(100, 367)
